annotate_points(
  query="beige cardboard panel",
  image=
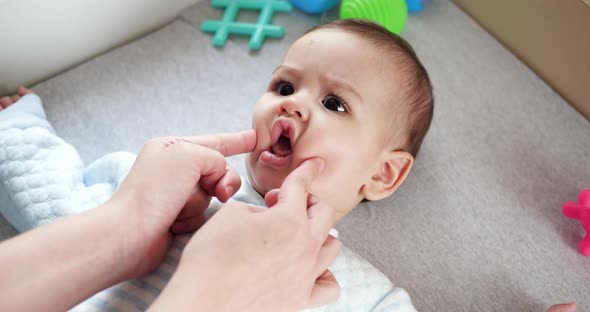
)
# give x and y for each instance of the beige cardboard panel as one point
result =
(552, 37)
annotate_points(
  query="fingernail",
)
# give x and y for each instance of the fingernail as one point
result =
(229, 190)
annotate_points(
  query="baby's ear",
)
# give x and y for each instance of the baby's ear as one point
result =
(393, 170)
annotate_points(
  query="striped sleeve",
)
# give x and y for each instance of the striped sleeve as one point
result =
(138, 294)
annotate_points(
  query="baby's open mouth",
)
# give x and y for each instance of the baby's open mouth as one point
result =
(282, 147)
(279, 153)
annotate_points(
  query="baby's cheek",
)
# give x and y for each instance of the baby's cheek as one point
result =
(337, 198)
(327, 187)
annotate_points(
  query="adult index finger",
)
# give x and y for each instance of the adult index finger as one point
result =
(228, 144)
(294, 191)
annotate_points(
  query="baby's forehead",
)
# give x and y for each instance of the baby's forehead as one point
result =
(362, 50)
(347, 55)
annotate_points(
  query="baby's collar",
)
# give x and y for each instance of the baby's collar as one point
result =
(248, 194)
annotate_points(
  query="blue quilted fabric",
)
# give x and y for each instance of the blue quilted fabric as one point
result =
(42, 177)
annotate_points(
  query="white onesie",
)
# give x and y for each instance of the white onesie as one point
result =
(43, 178)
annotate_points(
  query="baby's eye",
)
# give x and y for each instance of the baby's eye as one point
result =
(334, 103)
(285, 88)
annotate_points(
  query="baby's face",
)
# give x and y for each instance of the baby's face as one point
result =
(325, 100)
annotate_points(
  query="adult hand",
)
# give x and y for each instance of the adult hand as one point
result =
(250, 259)
(127, 236)
(169, 187)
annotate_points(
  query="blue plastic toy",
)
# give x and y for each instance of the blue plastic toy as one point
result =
(314, 6)
(258, 31)
(414, 5)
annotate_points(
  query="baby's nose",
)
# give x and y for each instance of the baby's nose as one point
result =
(295, 108)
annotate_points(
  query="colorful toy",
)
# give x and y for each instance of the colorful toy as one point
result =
(258, 31)
(581, 211)
(314, 6)
(414, 5)
(391, 14)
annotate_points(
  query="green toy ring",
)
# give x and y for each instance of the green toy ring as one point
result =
(390, 14)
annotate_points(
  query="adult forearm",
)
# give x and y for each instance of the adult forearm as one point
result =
(56, 266)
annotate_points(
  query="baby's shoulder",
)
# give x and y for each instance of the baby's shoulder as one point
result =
(353, 271)
(364, 287)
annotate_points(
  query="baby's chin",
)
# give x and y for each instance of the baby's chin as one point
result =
(262, 182)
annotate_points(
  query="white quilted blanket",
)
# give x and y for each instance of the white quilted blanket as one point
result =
(43, 178)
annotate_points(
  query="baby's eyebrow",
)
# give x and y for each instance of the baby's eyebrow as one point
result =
(341, 83)
(289, 69)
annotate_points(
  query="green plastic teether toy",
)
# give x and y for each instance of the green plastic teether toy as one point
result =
(258, 31)
(390, 14)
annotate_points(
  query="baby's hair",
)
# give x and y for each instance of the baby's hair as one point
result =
(417, 91)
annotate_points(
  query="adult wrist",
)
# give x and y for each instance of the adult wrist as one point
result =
(127, 253)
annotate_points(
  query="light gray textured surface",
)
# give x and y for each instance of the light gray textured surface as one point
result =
(477, 226)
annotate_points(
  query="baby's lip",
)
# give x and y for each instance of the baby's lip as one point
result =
(285, 127)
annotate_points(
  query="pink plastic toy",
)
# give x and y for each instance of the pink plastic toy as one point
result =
(581, 211)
